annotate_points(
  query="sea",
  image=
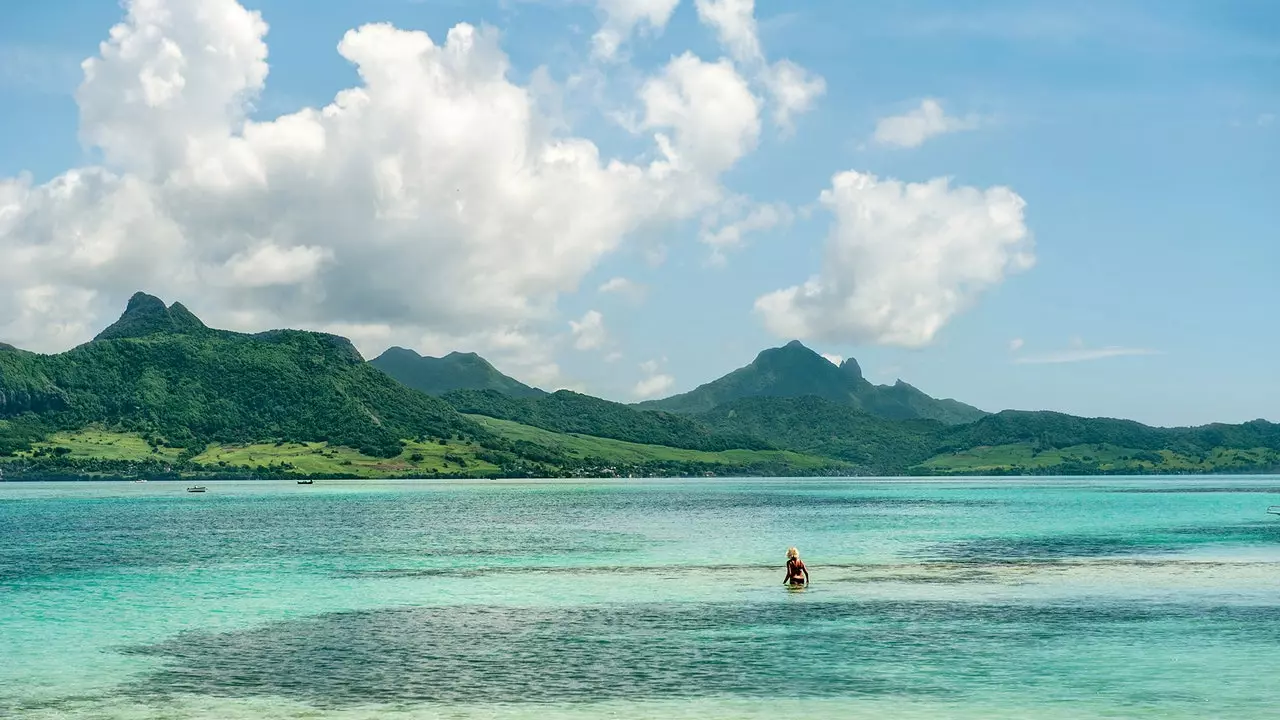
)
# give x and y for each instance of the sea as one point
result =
(972, 598)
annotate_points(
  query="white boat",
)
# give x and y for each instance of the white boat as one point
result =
(1274, 510)
(197, 488)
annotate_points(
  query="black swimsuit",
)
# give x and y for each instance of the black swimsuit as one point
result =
(795, 572)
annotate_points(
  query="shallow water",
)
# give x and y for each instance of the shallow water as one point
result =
(976, 598)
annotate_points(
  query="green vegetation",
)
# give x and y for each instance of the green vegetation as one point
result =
(604, 456)
(873, 445)
(190, 389)
(160, 395)
(1101, 459)
(419, 459)
(570, 412)
(455, 371)
(793, 371)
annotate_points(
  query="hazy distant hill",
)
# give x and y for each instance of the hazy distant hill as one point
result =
(455, 371)
(794, 370)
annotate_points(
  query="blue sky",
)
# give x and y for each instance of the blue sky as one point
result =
(1142, 137)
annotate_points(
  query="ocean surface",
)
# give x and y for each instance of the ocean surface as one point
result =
(981, 598)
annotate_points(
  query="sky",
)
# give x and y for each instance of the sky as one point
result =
(1018, 204)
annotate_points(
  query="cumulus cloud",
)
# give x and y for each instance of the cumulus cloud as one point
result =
(589, 332)
(431, 198)
(913, 128)
(901, 261)
(715, 116)
(654, 383)
(792, 89)
(622, 17)
(272, 265)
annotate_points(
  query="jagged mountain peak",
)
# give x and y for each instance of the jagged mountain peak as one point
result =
(147, 315)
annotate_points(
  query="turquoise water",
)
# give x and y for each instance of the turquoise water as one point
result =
(980, 598)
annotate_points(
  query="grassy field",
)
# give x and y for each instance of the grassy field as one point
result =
(1107, 458)
(424, 457)
(622, 452)
(105, 445)
(418, 457)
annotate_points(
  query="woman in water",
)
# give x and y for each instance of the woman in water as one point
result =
(797, 573)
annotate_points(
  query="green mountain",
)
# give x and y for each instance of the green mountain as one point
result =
(874, 445)
(147, 315)
(160, 394)
(794, 370)
(455, 371)
(161, 372)
(569, 412)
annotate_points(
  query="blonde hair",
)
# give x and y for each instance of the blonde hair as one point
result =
(793, 553)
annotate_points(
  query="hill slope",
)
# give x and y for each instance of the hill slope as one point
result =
(455, 371)
(812, 425)
(165, 374)
(794, 370)
(565, 411)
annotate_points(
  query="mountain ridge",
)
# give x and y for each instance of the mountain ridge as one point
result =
(454, 371)
(209, 402)
(794, 370)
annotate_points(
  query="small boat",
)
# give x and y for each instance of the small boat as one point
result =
(306, 482)
(140, 480)
(1274, 510)
(197, 488)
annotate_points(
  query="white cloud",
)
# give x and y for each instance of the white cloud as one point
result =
(735, 24)
(653, 386)
(902, 260)
(1081, 355)
(614, 356)
(792, 89)
(1016, 344)
(833, 359)
(273, 265)
(655, 383)
(715, 115)
(589, 332)
(431, 198)
(624, 16)
(913, 128)
(629, 289)
(725, 228)
(761, 217)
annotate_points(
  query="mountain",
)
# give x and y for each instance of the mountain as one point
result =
(810, 424)
(794, 370)
(160, 371)
(565, 411)
(455, 371)
(161, 394)
(147, 315)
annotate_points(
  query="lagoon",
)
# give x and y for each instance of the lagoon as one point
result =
(1055, 597)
